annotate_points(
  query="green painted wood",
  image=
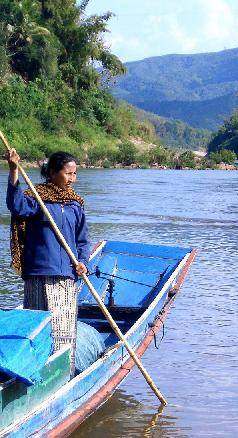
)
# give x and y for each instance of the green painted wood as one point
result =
(17, 399)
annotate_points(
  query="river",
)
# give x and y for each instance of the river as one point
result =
(196, 366)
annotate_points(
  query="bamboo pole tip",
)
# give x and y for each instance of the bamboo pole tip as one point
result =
(4, 140)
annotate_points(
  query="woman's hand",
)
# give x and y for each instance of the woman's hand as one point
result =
(81, 269)
(13, 160)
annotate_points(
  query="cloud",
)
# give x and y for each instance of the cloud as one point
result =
(220, 20)
(154, 20)
(156, 28)
(128, 47)
(169, 33)
(195, 26)
(182, 38)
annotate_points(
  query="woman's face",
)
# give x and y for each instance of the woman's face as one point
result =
(66, 176)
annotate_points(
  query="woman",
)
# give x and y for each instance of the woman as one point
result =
(48, 274)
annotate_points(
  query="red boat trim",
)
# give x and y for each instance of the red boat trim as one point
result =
(72, 422)
(96, 246)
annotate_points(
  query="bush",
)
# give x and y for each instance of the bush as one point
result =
(224, 155)
(33, 143)
(127, 153)
(106, 164)
(143, 159)
(48, 144)
(103, 153)
(186, 159)
(48, 101)
(159, 155)
(83, 132)
(96, 154)
(21, 133)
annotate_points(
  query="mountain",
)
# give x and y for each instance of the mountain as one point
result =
(200, 89)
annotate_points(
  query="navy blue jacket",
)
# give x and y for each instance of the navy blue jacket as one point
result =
(43, 254)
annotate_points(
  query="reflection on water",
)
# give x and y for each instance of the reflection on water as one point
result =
(196, 365)
(133, 418)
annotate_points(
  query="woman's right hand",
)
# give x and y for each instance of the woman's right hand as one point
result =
(13, 160)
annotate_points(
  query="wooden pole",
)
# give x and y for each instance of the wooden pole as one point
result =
(88, 283)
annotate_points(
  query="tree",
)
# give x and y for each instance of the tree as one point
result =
(226, 137)
(44, 37)
(81, 42)
(30, 47)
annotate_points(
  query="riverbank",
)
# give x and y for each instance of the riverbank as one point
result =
(136, 153)
(156, 166)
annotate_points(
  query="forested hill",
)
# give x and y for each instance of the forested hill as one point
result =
(175, 133)
(200, 89)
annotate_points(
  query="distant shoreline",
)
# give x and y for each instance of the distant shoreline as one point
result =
(36, 165)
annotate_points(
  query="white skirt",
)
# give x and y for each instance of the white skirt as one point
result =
(58, 295)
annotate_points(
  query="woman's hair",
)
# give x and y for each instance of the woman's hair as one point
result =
(55, 163)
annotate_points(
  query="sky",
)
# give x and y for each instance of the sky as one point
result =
(145, 28)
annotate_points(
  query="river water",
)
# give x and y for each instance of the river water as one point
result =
(196, 366)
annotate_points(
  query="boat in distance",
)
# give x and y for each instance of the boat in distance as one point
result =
(138, 283)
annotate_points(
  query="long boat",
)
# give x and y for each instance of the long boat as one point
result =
(138, 283)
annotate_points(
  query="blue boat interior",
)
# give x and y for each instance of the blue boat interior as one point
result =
(127, 276)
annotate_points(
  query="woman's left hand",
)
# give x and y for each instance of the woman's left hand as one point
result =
(81, 269)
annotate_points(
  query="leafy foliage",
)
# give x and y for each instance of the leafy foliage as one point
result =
(159, 155)
(223, 156)
(45, 37)
(226, 137)
(186, 159)
(127, 153)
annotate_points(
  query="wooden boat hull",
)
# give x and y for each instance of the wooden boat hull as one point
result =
(65, 410)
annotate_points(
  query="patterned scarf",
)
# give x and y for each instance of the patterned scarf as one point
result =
(48, 193)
